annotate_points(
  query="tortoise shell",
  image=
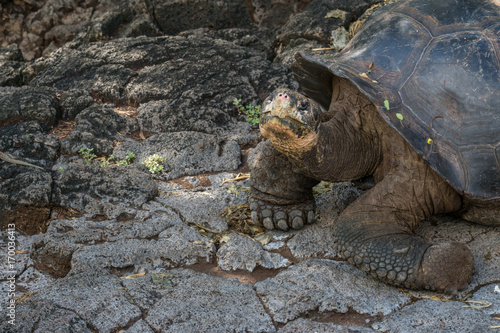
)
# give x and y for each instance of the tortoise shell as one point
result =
(432, 69)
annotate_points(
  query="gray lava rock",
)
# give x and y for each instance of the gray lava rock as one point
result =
(321, 17)
(175, 115)
(210, 72)
(11, 66)
(25, 191)
(96, 128)
(326, 285)
(305, 325)
(488, 294)
(174, 248)
(317, 22)
(274, 13)
(40, 316)
(204, 204)
(95, 297)
(74, 101)
(139, 327)
(28, 103)
(312, 242)
(31, 188)
(176, 16)
(241, 252)
(186, 153)
(27, 142)
(427, 316)
(87, 188)
(144, 240)
(70, 69)
(183, 300)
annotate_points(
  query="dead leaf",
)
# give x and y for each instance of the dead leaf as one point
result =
(133, 276)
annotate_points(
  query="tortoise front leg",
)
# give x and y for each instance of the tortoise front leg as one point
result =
(375, 234)
(281, 196)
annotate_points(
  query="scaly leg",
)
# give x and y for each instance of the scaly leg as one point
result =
(281, 196)
(375, 233)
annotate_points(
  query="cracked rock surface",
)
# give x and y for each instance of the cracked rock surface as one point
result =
(90, 90)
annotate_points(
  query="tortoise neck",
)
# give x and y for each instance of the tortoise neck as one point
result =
(342, 153)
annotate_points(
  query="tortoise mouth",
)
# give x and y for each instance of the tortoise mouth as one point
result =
(278, 124)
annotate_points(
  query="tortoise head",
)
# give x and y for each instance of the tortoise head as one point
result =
(291, 121)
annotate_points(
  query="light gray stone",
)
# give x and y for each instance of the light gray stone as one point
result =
(242, 252)
(204, 205)
(139, 327)
(92, 189)
(95, 296)
(312, 242)
(305, 325)
(488, 295)
(40, 316)
(195, 302)
(185, 153)
(434, 316)
(326, 285)
(147, 240)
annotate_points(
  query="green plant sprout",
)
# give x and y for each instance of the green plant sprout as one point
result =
(252, 112)
(154, 163)
(87, 155)
(127, 160)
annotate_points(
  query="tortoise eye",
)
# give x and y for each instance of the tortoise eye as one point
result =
(303, 105)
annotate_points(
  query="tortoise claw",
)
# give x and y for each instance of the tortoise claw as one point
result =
(281, 217)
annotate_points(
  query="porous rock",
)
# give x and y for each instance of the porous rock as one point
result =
(139, 327)
(26, 191)
(242, 252)
(28, 103)
(143, 240)
(204, 204)
(176, 16)
(427, 316)
(97, 128)
(96, 297)
(326, 285)
(88, 187)
(11, 66)
(305, 325)
(44, 316)
(183, 300)
(274, 13)
(74, 101)
(27, 142)
(185, 153)
(321, 17)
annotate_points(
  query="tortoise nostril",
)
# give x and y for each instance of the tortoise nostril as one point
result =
(283, 96)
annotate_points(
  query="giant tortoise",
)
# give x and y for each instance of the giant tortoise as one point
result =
(413, 101)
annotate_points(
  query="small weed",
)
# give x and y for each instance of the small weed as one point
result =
(154, 163)
(106, 161)
(252, 112)
(127, 160)
(87, 155)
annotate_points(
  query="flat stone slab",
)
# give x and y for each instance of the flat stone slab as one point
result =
(305, 325)
(427, 316)
(94, 300)
(326, 285)
(183, 300)
(242, 252)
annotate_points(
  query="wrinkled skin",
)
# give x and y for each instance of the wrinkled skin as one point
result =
(348, 142)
